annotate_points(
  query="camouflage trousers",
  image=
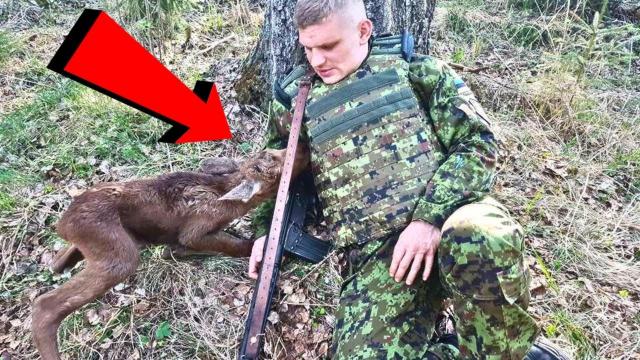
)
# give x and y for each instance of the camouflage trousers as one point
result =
(479, 267)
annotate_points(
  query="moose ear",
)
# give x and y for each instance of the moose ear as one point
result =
(243, 192)
(218, 166)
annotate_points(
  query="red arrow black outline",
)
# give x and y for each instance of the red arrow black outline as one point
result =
(71, 44)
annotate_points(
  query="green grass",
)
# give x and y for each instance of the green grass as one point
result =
(458, 24)
(627, 163)
(8, 47)
(7, 202)
(526, 35)
(582, 7)
(10, 179)
(29, 128)
(214, 20)
(73, 128)
(153, 22)
(576, 334)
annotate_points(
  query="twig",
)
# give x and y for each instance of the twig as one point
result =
(27, 81)
(215, 43)
(635, 227)
(468, 69)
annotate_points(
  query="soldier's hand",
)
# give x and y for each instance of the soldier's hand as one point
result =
(416, 247)
(256, 257)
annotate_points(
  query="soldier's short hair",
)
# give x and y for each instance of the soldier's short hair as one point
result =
(312, 12)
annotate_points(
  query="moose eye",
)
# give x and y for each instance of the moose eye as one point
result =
(257, 168)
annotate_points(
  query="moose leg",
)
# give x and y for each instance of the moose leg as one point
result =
(217, 243)
(98, 276)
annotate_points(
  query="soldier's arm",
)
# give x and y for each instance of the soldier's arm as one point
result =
(463, 129)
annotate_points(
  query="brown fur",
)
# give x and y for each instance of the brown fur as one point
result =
(108, 224)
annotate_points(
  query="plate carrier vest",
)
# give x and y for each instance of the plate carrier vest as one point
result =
(373, 149)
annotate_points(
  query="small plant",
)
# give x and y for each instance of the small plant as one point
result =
(163, 331)
(551, 330)
(547, 274)
(458, 56)
(575, 334)
(155, 21)
(7, 202)
(214, 20)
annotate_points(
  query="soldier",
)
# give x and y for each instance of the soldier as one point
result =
(403, 160)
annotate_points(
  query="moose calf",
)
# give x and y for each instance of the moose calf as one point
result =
(108, 224)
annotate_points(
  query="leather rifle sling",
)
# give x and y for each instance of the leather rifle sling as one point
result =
(262, 301)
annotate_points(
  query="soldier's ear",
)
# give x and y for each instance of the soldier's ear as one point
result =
(365, 27)
(243, 192)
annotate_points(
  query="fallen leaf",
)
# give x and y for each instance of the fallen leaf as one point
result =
(297, 298)
(287, 288)
(120, 287)
(238, 302)
(92, 317)
(46, 258)
(141, 307)
(273, 317)
(15, 322)
(302, 315)
(556, 168)
(323, 348)
(106, 344)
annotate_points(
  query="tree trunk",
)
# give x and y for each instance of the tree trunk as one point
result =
(278, 50)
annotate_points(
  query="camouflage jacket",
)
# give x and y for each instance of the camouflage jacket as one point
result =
(461, 126)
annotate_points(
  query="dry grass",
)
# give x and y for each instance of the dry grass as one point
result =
(563, 92)
(564, 98)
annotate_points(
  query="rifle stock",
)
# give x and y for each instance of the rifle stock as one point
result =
(269, 270)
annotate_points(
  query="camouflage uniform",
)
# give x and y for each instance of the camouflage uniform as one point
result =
(374, 179)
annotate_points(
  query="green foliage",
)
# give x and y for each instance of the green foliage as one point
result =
(576, 334)
(143, 340)
(8, 47)
(7, 202)
(533, 202)
(551, 330)
(214, 20)
(163, 331)
(582, 7)
(246, 147)
(73, 128)
(525, 35)
(29, 127)
(626, 164)
(155, 21)
(458, 55)
(11, 179)
(458, 23)
(551, 281)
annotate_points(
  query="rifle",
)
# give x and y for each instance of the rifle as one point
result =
(286, 227)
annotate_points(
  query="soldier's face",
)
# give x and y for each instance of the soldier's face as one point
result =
(336, 47)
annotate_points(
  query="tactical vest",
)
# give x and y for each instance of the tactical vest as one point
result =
(372, 146)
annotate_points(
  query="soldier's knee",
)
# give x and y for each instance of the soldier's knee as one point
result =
(484, 228)
(480, 254)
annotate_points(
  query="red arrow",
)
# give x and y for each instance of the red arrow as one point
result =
(102, 55)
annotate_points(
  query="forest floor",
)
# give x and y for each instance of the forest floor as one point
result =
(564, 96)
